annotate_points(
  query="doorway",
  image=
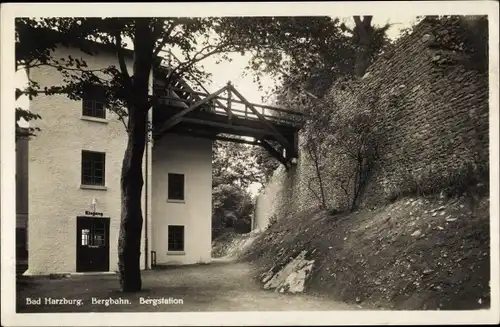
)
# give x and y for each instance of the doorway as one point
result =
(92, 247)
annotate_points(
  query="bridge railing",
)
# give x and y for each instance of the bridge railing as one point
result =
(229, 103)
(232, 103)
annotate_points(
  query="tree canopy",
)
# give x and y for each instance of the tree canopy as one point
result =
(306, 54)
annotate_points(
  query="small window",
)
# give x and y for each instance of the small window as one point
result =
(175, 238)
(94, 99)
(175, 186)
(85, 236)
(93, 168)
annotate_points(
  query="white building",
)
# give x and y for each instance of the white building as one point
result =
(74, 166)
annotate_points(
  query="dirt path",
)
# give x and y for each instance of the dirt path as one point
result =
(220, 286)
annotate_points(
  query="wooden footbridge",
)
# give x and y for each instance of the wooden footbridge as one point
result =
(224, 115)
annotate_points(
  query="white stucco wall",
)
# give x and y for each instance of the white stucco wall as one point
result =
(193, 158)
(55, 195)
(267, 202)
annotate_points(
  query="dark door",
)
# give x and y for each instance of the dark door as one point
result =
(92, 248)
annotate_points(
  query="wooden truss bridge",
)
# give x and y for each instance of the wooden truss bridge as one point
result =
(224, 115)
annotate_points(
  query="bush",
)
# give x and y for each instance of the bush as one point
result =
(232, 210)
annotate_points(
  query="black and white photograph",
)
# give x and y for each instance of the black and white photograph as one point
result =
(249, 163)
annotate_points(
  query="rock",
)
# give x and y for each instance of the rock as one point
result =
(358, 300)
(428, 271)
(442, 213)
(434, 214)
(292, 277)
(267, 277)
(416, 233)
(427, 38)
(440, 228)
(438, 209)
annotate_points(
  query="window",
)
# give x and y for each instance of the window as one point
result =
(94, 99)
(85, 236)
(93, 164)
(175, 186)
(100, 234)
(175, 238)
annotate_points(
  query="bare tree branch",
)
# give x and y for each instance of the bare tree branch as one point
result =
(166, 36)
(311, 189)
(184, 66)
(121, 57)
(61, 67)
(122, 119)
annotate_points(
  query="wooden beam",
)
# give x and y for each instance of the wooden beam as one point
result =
(213, 136)
(223, 125)
(190, 90)
(231, 112)
(228, 109)
(177, 117)
(276, 133)
(235, 140)
(273, 152)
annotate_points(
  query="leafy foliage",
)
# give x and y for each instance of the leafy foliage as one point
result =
(34, 48)
(469, 35)
(234, 163)
(232, 208)
(305, 55)
(234, 169)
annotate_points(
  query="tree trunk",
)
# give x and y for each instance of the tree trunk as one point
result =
(355, 191)
(363, 35)
(129, 242)
(313, 153)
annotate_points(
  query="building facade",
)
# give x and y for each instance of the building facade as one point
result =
(74, 197)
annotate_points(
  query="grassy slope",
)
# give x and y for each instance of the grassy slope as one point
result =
(232, 244)
(371, 257)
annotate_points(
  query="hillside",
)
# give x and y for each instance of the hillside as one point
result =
(232, 245)
(416, 253)
(408, 146)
